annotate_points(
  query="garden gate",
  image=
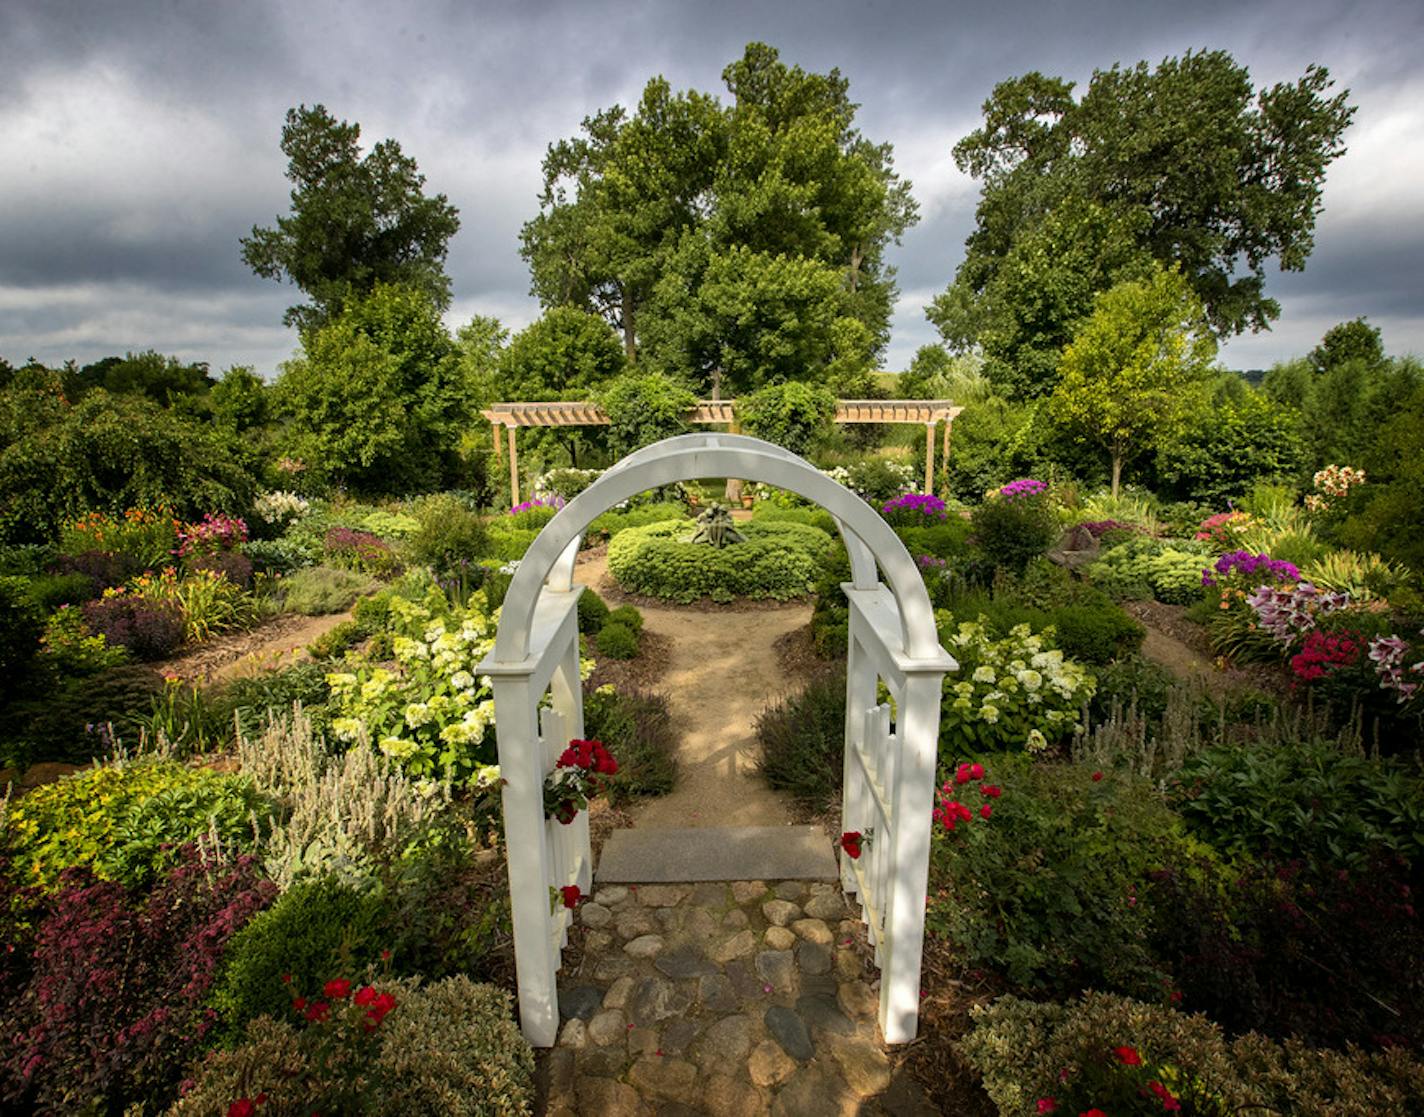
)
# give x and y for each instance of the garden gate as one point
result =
(890, 747)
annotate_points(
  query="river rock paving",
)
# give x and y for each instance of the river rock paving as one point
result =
(727, 1000)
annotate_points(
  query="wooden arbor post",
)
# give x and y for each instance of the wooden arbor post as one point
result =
(889, 769)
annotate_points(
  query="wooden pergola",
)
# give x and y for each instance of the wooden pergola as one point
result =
(579, 413)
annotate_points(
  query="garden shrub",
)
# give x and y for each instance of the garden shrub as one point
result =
(611, 523)
(508, 543)
(1096, 635)
(102, 568)
(335, 641)
(643, 408)
(944, 540)
(776, 560)
(1020, 1048)
(115, 1002)
(1325, 955)
(830, 615)
(1132, 681)
(125, 820)
(767, 512)
(253, 699)
(146, 629)
(207, 601)
(801, 740)
(317, 928)
(283, 555)
(637, 728)
(1170, 571)
(230, 565)
(363, 551)
(914, 510)
(1049, 889)
(564, 484)
(450, 534)
(793, 414)
(532, 515)
(1307, 802)
(1012, 530)
(592, 612)
(629, 617)
(1018, 692)
(319, 590)
(82, 717)
(617, 641)
(146, 537)
(876, 480)
(69, 649)
(451, 1047)
(53, 591)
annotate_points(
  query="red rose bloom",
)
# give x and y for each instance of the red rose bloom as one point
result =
(1092, 1113)
(1097, 776)
(976, 771)
(243, 1107)
(299, 1003)
(850, 842)
(1165, 1095)
(572, 894)
(318, 1011)
(985, 811)
(1128, 1056)
(380, 1006)
(337, 988)
(364, 996)
(962, 775)
(1047, 1105)
(991, 791)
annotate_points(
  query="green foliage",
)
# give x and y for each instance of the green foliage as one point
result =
(1040, 890)
(563, 351)
(1385, 511)
(55, 591)
(356, 223)
(801, 740)
(450, 536)
(1222, 451)
(79, 717)
(451, 1047)
(1310, 802)
(375, 399)
(1141, 567)
(317, 929)
(318, 590)
(592, 612)
(240, 400)
(20, 628)
(125, 820)
(765, 511)
(995, 442)
(1096, 634)
(638, 730)
(792, 414)
(108, 453)
(1355, 340)
(617, 641)
(252, 700)
(644, 408)
(1017, 692)
(629, 617)
(71, 649)
(1021, 1047)
(1012, 531)
(1132, 682)
(1135, 367)
(1180, 164)
(776, 560)
(610, 524)
(335, 641)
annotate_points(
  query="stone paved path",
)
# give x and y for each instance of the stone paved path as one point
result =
(730, 1000)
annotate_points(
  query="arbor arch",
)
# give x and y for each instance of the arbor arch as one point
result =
(889, 765)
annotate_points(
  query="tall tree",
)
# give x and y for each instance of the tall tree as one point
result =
(637, 210)
(1130, 375)
(355, 222)
(1183, 164)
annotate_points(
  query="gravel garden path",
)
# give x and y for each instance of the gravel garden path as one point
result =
(721, 670)
(727, 999)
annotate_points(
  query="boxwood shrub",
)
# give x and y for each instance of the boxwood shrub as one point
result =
(617, 641)
(775, 560)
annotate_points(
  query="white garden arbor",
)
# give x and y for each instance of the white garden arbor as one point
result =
(890, 748)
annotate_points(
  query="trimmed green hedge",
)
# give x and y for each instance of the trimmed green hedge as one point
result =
(611, 523)
(776, 560)
(766, 512)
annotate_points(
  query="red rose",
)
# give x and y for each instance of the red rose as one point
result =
(364, 996)
(1165, 1096)
(1092, 1113)
(299, 1003)
(337, 988)
(977, 771)
(286, 979)
(243, 1107)
(985, 811)
(1097, 776)
(318, 1011)
(262, 1098)
(380, 1006)
(385, 956)
(572, 894)
(992, 791)
(1047, 1105)
(962, 774)
(1128, 1055)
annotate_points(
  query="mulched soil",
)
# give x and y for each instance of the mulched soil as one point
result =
(641, 673)
(798, 656)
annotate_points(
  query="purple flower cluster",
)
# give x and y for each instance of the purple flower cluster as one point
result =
(554, 501)
(913, 506)
(1249, 565)
(1287, 613)
(1023, 487)
(931, 562)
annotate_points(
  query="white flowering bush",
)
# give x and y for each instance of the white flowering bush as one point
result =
(431, 713)
(1018, 692)
(280, 507)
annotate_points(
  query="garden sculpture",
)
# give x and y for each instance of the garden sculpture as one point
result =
(715, 527)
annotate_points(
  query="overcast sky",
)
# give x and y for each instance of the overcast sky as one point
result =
(139, 140)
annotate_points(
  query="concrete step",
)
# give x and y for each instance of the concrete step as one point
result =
(668, 856)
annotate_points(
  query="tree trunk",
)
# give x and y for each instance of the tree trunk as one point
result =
(1116, 473)
(630, 338)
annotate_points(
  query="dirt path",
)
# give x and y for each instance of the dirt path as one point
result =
(277, 643)
(722, 670)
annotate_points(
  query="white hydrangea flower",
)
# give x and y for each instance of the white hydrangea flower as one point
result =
(417, 714)
(1030, 679)
(990, 714)
(462, 680)
(985, 675)
(1037, 742)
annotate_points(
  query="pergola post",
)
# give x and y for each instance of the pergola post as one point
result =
(496, 438)
(929, 457)
(513, 471)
